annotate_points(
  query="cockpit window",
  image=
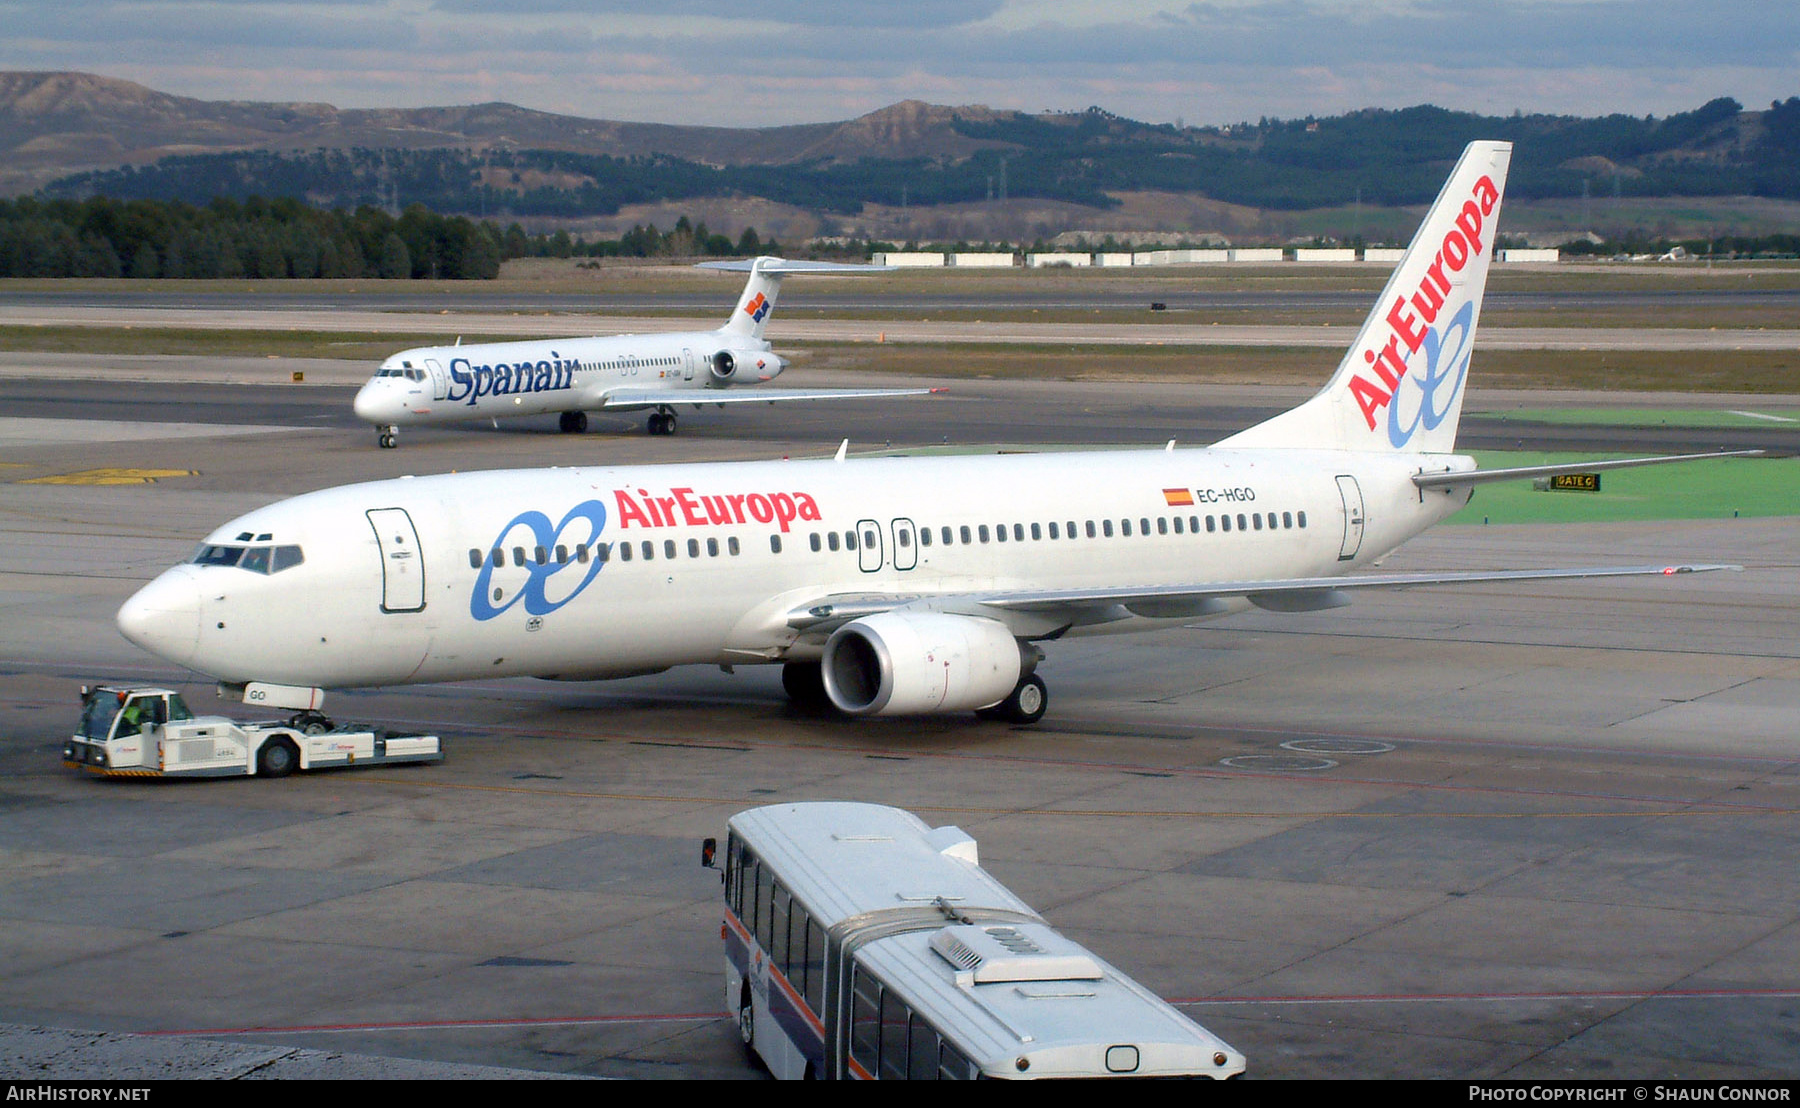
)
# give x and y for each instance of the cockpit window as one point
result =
(256, 559)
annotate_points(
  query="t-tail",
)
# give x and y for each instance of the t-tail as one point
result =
(758, 299)
(1400, 387)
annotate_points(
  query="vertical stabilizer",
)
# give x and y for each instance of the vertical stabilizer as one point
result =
(1400, 387)
(758, 299)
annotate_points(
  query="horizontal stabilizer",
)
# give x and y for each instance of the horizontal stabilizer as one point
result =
(782, 267)
(1452, 480)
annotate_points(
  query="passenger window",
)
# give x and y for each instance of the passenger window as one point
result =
(712, 547)
(1162, 525)
(816, 544)
(774, 544)
(1240, 521)
(624, 552)
(945, 535)
(905, 538)
(924, 536)
(1037, 533)
(1090, 528)
(518, 555)
(541, 555)
(1194, 524)
(1053, 533)
(1300, 517)
(1178, 525)
(1256, 518)
(648, 550)
(965, 535)
(831, 539)
(1106, 526)
(1224, 523)
(1287, 521)
(983, 532)
(1144, 526)
(731, 546)
(849, 540)
(870, 540)
(693, 548)
(1125, 528)
(474, 559)
(562, 555)
(669, 549)
(1000, 533)
(581, 553)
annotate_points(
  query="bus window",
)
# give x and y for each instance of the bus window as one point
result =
(921, 1051)
(776, 943)
(765, 895)
(815, 966)
(894, 1018)
(865, 1021)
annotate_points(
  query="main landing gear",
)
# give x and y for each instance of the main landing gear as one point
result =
(1027, 704)
(389, 437)
(573, 423)
(662, 421)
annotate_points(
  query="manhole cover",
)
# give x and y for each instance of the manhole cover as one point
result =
(1338, 746)
(1282, 763)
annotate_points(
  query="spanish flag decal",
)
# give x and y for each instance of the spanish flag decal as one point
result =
(1179, 498)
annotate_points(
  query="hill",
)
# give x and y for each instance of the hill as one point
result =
(74, 135)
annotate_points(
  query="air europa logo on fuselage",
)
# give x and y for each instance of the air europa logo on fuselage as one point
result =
(550, 581)
(470, 382)
(682, 507)
(1410, 320)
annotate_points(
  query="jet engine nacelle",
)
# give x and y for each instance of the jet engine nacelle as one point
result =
(912, 663)
(724, 366)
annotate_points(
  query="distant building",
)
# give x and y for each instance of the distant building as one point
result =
(1112, 260)
(1257, 254)
(909, 260)
(1043, 261)
(1529, 254)
(1388, 255)
(1323, 254)
(984, 260)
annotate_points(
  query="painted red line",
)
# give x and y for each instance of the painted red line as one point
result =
(426, 1025)
(1439, 998)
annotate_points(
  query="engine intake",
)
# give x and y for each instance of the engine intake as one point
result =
(915, 663)
(724, 366)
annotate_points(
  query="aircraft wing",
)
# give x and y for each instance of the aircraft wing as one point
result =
(628, 399)
(1295, 594)
(784, 267)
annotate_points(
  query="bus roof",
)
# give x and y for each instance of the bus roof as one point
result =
(844, 860)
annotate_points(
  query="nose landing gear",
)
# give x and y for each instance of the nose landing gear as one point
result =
(389, 437)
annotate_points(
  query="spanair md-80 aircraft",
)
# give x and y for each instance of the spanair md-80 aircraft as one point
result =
(618, 373)
(886, 585)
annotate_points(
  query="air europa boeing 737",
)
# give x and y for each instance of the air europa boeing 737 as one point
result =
(882, 585)
(619, 373)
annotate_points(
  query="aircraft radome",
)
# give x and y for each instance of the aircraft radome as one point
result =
(883, 586)
(618, 373)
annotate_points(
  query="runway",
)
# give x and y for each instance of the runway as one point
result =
(1523, 831)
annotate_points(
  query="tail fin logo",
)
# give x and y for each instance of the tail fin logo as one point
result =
(1410, 323)
(757, 307)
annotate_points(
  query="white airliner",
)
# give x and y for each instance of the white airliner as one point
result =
(618, 373)
(888, 585)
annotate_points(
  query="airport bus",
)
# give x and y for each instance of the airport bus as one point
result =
(862, 943)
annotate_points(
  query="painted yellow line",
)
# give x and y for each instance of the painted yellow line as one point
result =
(111, 477)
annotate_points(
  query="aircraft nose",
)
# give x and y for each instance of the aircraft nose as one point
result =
(163, 617)
(372, 404)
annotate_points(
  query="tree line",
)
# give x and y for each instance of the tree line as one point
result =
(285, 237)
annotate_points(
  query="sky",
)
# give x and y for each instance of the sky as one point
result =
(767, 62)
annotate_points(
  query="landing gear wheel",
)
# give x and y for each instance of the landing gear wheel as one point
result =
(805, 684)
(277, 758)
(573, 423)
(1025, 706)
(662, 423)
(389, 438)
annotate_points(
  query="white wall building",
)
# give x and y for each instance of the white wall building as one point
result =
(1041, 261)
(1385, 254)
(1323, 254)
(984, 260)
(1530, 255)
(909, 260)
(1257, 254)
